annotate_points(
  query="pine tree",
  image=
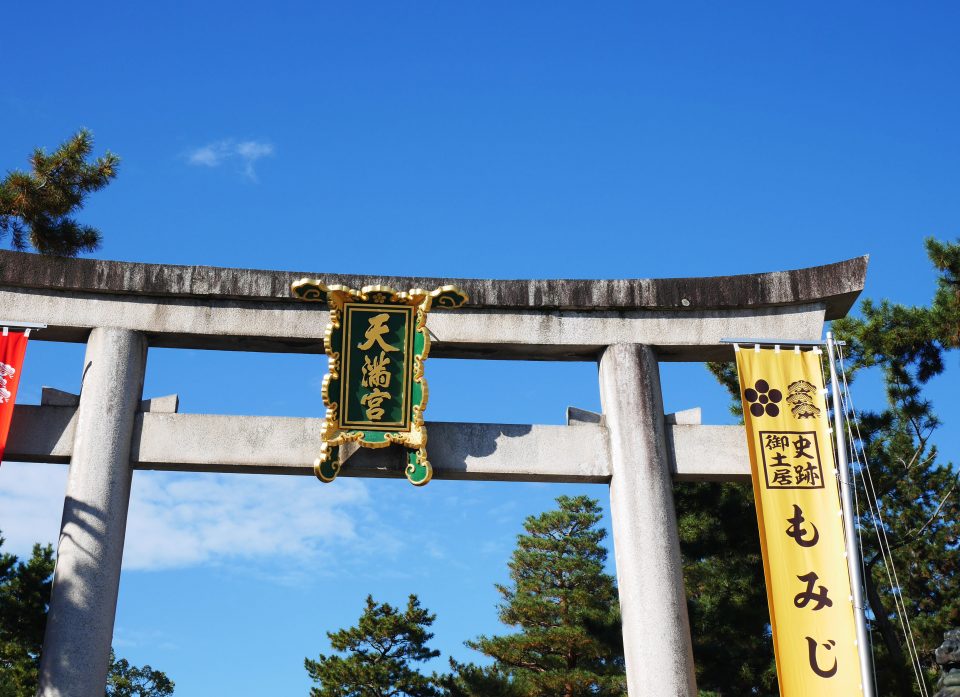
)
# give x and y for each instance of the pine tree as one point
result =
(24, 599)
(380, 651)
(726, 595)
(918, 494)
(917, 490)
(125, 680)
(24, 593)
(569, 641)
(35, 206)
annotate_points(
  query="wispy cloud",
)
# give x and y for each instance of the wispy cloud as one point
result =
(243, 154)
(124, 638)
(191, 520)
(31, 503)
(230, 521)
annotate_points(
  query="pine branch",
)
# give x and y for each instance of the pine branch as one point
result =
(36, 207)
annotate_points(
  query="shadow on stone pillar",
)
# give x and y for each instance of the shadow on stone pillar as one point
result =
(83, 601)
(656, 629)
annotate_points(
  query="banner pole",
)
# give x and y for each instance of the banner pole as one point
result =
(849, 529)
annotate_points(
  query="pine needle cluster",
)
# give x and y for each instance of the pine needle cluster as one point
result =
(380, 652)
(24, 594)
(568, 642)
(24, 600)
(565, 607)
(125, 680)
(36, 206)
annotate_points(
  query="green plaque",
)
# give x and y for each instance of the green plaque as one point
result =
(375, 392)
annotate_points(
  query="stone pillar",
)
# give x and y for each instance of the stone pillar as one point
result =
(656, 630)
(83, 603)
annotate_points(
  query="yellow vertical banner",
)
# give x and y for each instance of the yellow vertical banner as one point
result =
(801, 528)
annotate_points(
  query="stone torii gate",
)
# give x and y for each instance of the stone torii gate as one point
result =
(121, 309)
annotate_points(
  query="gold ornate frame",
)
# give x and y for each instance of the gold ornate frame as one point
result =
(327, 465)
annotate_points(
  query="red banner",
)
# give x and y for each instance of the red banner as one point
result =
(12, 347)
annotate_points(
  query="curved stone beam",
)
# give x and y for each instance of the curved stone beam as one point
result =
(251, 310)
(835, 285)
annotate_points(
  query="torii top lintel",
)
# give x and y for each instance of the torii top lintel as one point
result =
(570, 319)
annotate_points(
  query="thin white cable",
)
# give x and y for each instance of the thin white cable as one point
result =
(854, 457)
(847, 479)
(888, 564)
(887, 554)
(846, 491)
(832, 435)
(883, 540)
(851, 449)
(911, 641)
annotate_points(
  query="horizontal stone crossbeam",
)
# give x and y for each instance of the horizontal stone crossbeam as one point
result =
(464, 451)
(561, 335)
(252, 310)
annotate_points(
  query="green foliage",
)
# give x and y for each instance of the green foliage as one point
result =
(918, 492)
(569, 640)
(918, 495)
(125, 680)
(723, 572)
(380, 651)
(24, 591)
(36, 206)
(24, 598)
(469, 680)
(726, 595)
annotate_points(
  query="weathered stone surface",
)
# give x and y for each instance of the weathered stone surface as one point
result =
(686, 417)
(247, 310)
(656, 629)
(575, 415)
(708, 453)
(83, 601)
(948, 658)
(835, 285)
(52, 397)
(167, 404)
(517, 334)
(286, 445)
(42, 434)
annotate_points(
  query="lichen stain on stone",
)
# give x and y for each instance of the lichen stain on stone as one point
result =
(837, 285)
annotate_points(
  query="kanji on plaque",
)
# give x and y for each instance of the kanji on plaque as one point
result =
(375, 391)
(801, 531)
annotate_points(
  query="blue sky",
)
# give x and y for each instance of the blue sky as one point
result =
(491, 139)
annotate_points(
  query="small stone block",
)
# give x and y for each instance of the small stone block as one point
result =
(582, 416)
(161, 405)
(52, 397)
(687, 417)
